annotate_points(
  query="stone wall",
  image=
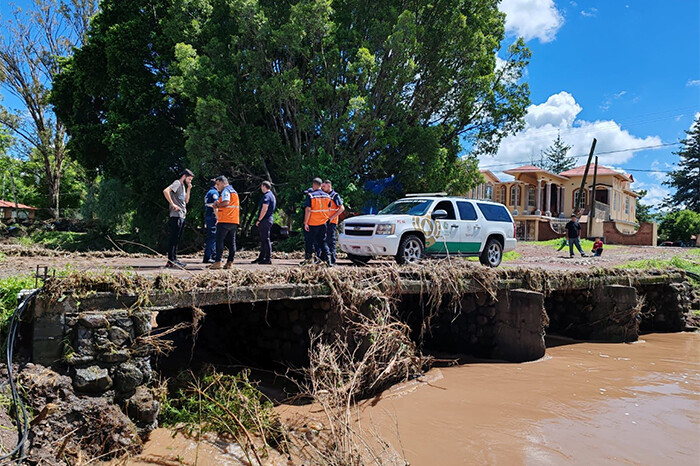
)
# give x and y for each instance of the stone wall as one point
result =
(108, 356)
(666, 308)
(645, 235)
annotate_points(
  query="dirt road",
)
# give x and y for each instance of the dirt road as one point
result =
(15, 260)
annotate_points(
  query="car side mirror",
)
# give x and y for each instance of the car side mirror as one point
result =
(438, 214)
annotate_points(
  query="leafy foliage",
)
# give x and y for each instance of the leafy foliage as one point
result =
(285, 91)
(680, 225)
(686, 179)
(9, 289)
(643, 211)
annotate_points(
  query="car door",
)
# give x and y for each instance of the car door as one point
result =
(471, 230)
(446, 231)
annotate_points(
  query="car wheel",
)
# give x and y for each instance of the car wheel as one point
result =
(359, 260)
(410, 250)
(492, 254)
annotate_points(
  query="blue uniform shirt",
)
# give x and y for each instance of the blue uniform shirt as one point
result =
(211, 197)
(269, 200)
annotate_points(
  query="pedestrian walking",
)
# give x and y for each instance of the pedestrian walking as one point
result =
(210, 224)
(316, 214)
(336, 210)
(177, 195)
(573, 232)
(268, 204)
(227, 220)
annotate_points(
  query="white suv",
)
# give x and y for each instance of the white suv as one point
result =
(431, 225)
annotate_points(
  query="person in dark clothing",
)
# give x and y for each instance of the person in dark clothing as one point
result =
(309, 249)
(268, 204)
(210, 224)
(178, 195)
(573, 233)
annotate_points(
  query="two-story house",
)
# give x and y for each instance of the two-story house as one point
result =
(539, 199)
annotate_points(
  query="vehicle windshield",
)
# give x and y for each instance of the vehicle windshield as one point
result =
(407, 207)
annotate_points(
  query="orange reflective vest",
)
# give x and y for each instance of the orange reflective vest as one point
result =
(320, 207)
(231, 212)
(334, 207)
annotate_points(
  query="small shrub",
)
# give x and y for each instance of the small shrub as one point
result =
(9, 289)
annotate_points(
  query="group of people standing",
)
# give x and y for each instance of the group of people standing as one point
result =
(322, 209)
(221, 220)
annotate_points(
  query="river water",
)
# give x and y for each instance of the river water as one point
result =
(583, 403)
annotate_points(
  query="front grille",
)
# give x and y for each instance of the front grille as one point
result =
(358, 232)
(359, 229)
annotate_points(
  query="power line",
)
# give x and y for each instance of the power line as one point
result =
(617, 151)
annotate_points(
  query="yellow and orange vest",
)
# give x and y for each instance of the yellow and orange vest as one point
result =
(320, 208)
(231, 212)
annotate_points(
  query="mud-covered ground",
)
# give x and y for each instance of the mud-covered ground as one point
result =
(15, 260)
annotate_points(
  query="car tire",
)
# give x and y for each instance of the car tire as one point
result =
(492, 254)
(359, 260)
(410, 250)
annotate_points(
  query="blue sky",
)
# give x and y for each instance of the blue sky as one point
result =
(626, 72)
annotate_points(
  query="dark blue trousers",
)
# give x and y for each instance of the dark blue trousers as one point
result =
(175, 225)
(265, 243)
(318, 235)
(210, 242)
(330, 240)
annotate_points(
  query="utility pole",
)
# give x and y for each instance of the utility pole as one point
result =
(591, 215)
(14, 194)
(581, 192)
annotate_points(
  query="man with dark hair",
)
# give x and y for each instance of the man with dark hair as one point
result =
(268, 204)
(336, 210)
(210, 224)
(573, 232)
(177, 195)
(316, 213)
(227, 220)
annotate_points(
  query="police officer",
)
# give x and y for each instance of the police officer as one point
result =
(336, 210)
(227, 216)
(268, 203)
(316, 214)
(210, 224)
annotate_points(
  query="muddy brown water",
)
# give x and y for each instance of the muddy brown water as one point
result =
(583, 403)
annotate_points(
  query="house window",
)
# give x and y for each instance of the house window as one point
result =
(577, 200)
(531, 196)
(515, 195)
(627, 205)
(501, 195)
(489, 191)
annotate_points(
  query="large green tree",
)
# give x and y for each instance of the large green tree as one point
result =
(686, 178)
(33, 42)
(680, 225)
(261, 89)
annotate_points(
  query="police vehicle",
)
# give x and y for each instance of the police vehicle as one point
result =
(422, 225)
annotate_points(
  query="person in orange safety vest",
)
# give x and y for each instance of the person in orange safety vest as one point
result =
(316, 215)
(227, 220)
(336, 210)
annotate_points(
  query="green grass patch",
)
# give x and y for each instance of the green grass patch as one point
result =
(226, 404)
(676, 262)
(9, 288)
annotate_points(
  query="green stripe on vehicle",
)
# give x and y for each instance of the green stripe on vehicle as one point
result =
(454, 247)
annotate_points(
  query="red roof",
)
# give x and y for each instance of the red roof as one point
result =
(578, 171)
(527, 168)
(11, 205)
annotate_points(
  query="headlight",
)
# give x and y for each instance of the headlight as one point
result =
(341, 227)
(385, 229)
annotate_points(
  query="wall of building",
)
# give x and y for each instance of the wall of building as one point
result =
(646, 235)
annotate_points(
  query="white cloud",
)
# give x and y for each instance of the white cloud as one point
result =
(532, 19)
(609, 100)
(655, 194)
(693, 82)
(659, 175)
(590, 13)
(558, 115)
